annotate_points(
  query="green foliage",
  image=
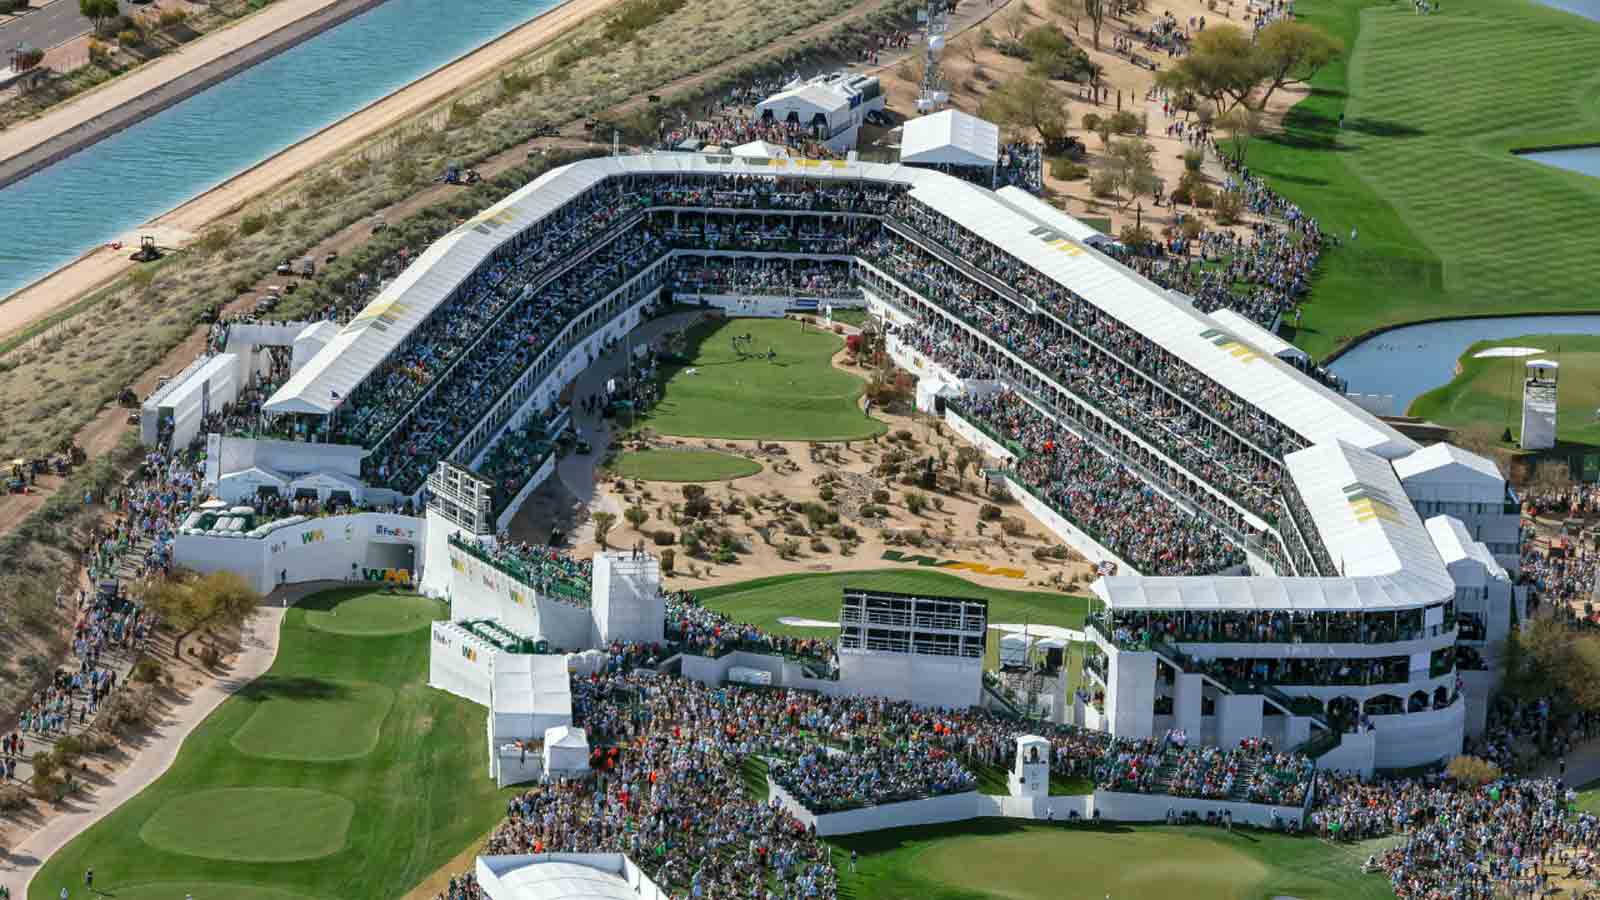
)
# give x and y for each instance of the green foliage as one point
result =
(1064, 169)
(252, 224)
(1230, 207)
(1051, 55)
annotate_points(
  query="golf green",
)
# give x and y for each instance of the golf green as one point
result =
(796, 395)
(1005, 858)
(256, 824)
(1449, 220)
(374, 613)
(683, 465)
(313, 719)
(1488, 392)
(221, 821)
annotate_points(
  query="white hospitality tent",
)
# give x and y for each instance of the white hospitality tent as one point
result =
(531, 694)
(761, 150)
(566, 749)
(950, 138)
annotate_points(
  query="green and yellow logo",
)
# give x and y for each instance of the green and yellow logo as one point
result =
(1240, 351)
(1369, 503)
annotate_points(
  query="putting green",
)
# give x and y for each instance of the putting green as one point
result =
(683, 465)
(313, 719)
(171, 890)
(1034, 864)
(262, 824)
(374, 615)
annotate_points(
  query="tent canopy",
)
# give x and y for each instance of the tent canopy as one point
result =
(952, 138)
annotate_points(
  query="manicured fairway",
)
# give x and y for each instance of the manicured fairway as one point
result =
(337, 775)
(1489, 391)
(764, 601)
(1449, 221)
(1001, 858)
(683, 465)
(798, 396)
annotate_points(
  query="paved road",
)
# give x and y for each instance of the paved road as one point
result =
(49, 25)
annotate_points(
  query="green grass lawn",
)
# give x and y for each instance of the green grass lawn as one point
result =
(799, 396)
(683, 465)
(1450, 222)
(853, 317)
(339, 774)
(1490, 390)
(1007, 859)
(763, 601)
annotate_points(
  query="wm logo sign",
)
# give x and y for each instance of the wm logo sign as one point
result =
(1228, 342)
(1057, 241)
(1369, 503)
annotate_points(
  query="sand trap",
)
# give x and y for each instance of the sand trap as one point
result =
(1507, 352)
(797, 622)
(1041, 631)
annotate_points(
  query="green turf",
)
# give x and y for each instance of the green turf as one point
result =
(1450, 222)
(1013, 860)
(312, 719)
(854, 317)
(374, 614)
(799, 396)
(1490, 390)
(418, 798)
(683, 465)
(763, 601)
(254, 824)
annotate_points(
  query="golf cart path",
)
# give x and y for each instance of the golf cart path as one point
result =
(258, 648)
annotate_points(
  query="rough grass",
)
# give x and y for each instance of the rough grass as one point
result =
(1005, 858)
(797, 396)
(1489, 391)
(683, 465)
(1450, 221)
(417, 798)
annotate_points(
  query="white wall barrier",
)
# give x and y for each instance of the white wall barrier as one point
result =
(332, 548)
(1068, 532)
(479, 590)
(461, 663)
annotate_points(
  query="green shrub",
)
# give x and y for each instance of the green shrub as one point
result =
(826, 493)
(916, 503)
(1230, 206)
(818, 545)
(252, 224)
(1013, 526)
(1193, 160)
(880, 496)
(1090, 122)
(1103, 184)
(146, 671)
(664, 538)
(1125, 122)
(1063, 169)
(988, 512)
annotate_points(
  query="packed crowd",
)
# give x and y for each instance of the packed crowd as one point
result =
(758, 276)
(548, 569)
(1565, 575)
(1104, 497)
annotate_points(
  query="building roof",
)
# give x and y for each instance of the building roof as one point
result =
(1315, 413)
(1258, 337)
(818, 97)
(1448, 459)
(1454, 544)
(1365, 519)
(1038, 210)
(528, 684)
(952, 138)
(760, 148)
(563, 881)
(1368, 593)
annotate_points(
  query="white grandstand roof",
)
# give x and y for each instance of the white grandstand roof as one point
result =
(1311, 410)
(556, 880)
(1256, 336)
(1005, 219)
(1368, 594)
(1366, 521)
(950, 137)
(1045, 214)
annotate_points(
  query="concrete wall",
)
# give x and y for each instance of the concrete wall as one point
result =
(1414, 739)
(333, 548)
(952, 682)
(627, 599)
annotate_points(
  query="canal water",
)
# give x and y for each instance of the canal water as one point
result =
(1408, 362)
(102, 192)
(1589, 9)
(1584, 160)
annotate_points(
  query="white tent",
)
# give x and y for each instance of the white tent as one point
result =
(325, 484)
(950, 138)
(1014, 649)
(566, 750)
(761, 149)
(530, 694)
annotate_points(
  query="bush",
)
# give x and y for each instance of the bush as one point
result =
(826, 493)
(1126, 122)
(988, 512)
(668, 557)
(1135, 236)
(1090, 122)
(916, 503)
(1192, 160)
(789, 549)
(1063, 169)
(903, 435)
(880, 496)
(725, 556)
(1013, 526)
(130, 37)
(253, 224)
(1472, 770)
(1230, 207)
(146, 671)
(874, 511)
(842, 532)
(1103, 184)
(664, 538)
(818, 545)
(12, 799)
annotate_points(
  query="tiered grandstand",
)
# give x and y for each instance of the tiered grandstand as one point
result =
(1213, 478)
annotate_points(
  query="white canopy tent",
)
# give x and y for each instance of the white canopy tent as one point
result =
(566, 750)
(531, 694)
(950, 138)
(761, 149)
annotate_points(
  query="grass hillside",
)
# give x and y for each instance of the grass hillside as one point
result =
(1450, 221)
(1490, 390)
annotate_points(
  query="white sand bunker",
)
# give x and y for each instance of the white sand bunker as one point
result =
(1507, 352)
(797, 622)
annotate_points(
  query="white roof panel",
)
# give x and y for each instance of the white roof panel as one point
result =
(541, 880)
(1311, 410)
(1370, 594)
(1045, 214)
(1442, 456)
(950, 137)
(1256, 336)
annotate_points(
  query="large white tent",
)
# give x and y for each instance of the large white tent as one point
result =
(950, 138)
(531, 695)
(566, 750)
